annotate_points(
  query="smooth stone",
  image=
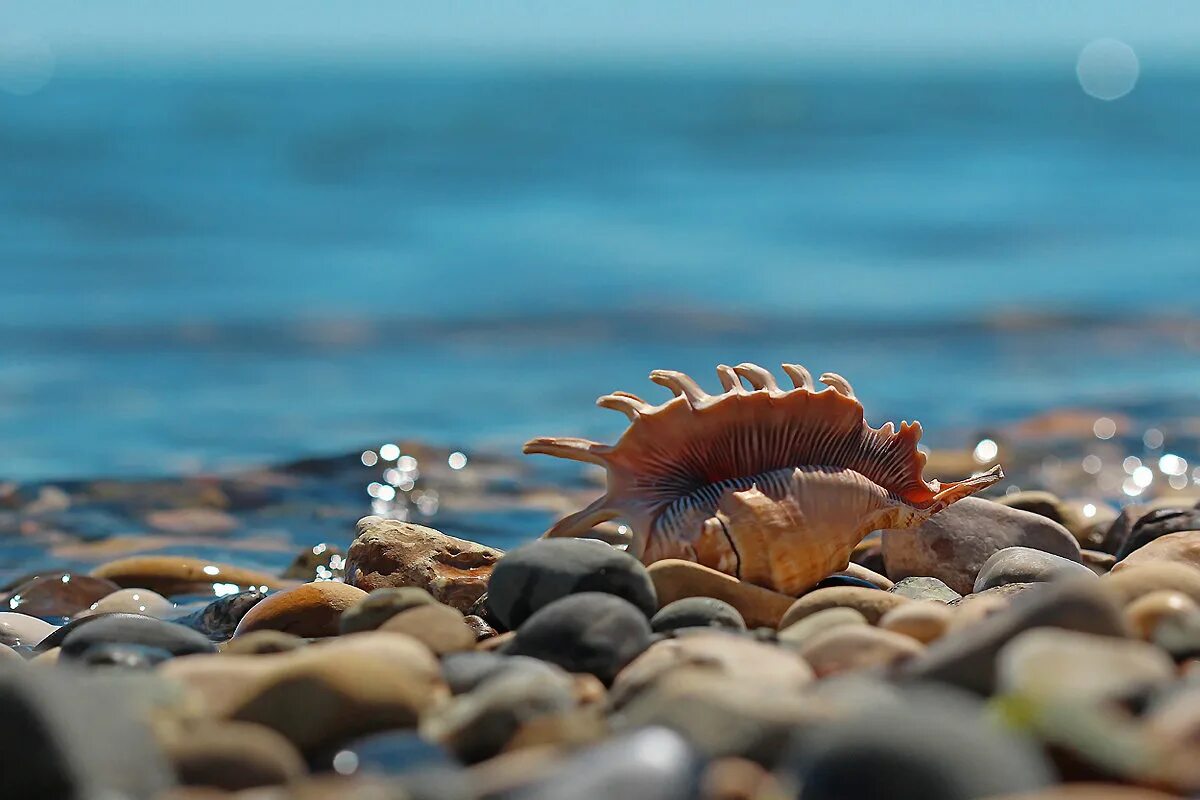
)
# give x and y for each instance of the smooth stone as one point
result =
(134, 629)
(1118, 533)
(56, 637)
(926, 620)
(1131, 581)
(940, 748)
(846, 648)
(925, 588)
(675, 579)
(233, 756)
(477, 725)
(1098, 562)
(1064, 666)
(981, 605)
(439, 627)
(391, 553)
(1173, 548)
(172, 575)
(1158, 523)
(18, 629)
(9, 655)
(58, 594)
(592, 632)
(322, 562)
(311, 610)
(1144, 614)
(263, 642)
(871, 603)
(838, 579)
(325, 694)
(872, 577)
(131, 601)
(463, 672)
(125, 656)
(967, 657)
(697, 612)
(1050, 506)
(381, 605)
(536, 574)
(801, 631)
(72, 736)
(1026, 565)
(219, 619)
(654, 764)
(954, 543)
(736, 659)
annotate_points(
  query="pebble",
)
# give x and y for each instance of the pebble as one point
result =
(839, 579)
(967, 657)
(697, 612)
(309, 610)
(134, 629)
(381, 605)
(926, 621)
(1050, 506)
(392, 553)
(1118, 533)
(1026, 565)
(58, 594)
(466, 670)
(125, 656)
(1098, 562)
(1179, 636)
(10, 656)
(953, 544)
(439, 627)
(980, 605)
(232, 756)
(802, 630)
(846, 648)
(173, 575)
(263, 642)
(219, 619)
(1059, 666)
(735, 659)
(1131, 581)
(924, 588)
(1156, 524)
(1144, 614)
(1174, 548)
(536, 574)
(22, 629)
(131, 601)
(871, 603)
(937, 747)
(675, 579)
(479, 627)
(592, 632)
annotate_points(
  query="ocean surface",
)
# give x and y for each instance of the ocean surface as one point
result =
(201, 269)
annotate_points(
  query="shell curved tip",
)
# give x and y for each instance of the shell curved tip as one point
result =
(952, 492)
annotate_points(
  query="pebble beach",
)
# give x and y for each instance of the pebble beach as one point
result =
(370, 626)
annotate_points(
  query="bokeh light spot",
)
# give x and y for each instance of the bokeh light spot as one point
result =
(1107, 69)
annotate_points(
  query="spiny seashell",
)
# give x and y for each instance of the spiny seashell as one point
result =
(773, 486)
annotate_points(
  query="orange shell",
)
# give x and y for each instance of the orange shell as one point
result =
(773, 486)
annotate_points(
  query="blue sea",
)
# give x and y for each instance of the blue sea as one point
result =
(208, 268)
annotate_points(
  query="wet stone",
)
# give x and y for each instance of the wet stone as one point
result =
(124, 656)
(219, 619)
(536, 574)
(697, 612)
(174, 575)
(57, 595)
(132, 601)
(134, 629)
(22, 629)
(310, 610)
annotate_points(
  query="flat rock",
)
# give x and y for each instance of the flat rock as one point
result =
(967, 658)
(538, 573)
(439, 627)
(58, 594)
(381, 605)
(675, 579)
(954, 543)
(391, 553)
(22, 629)
(171, 575)
(697, 612)
(134, 629)
(1027, 565)
(592, 632)
(925, 588)
(871, 603)
(310, 610)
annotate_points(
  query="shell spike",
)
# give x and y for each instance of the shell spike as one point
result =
(582, 521)
(838, 384)
(948, 493)
(680, 384)
(629, 406)
(730, 380)
(801, 378)
(758, 377)
(567, 447)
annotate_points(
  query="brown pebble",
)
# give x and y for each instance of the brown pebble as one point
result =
(232, 756)
(439, 627)
(381, 605)
(479, 627)
(852, 647)
(675, 579)
(802, 630)
(57, 594)
(1143, 614)
(1097, 561)
(871, 603)
(925, 620)
(169, 575)
(310, 610)
(1174, 548)
(1134, 580)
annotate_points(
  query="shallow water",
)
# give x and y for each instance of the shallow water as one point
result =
(204, 270)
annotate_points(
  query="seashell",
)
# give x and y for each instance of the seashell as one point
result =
(769, 485)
